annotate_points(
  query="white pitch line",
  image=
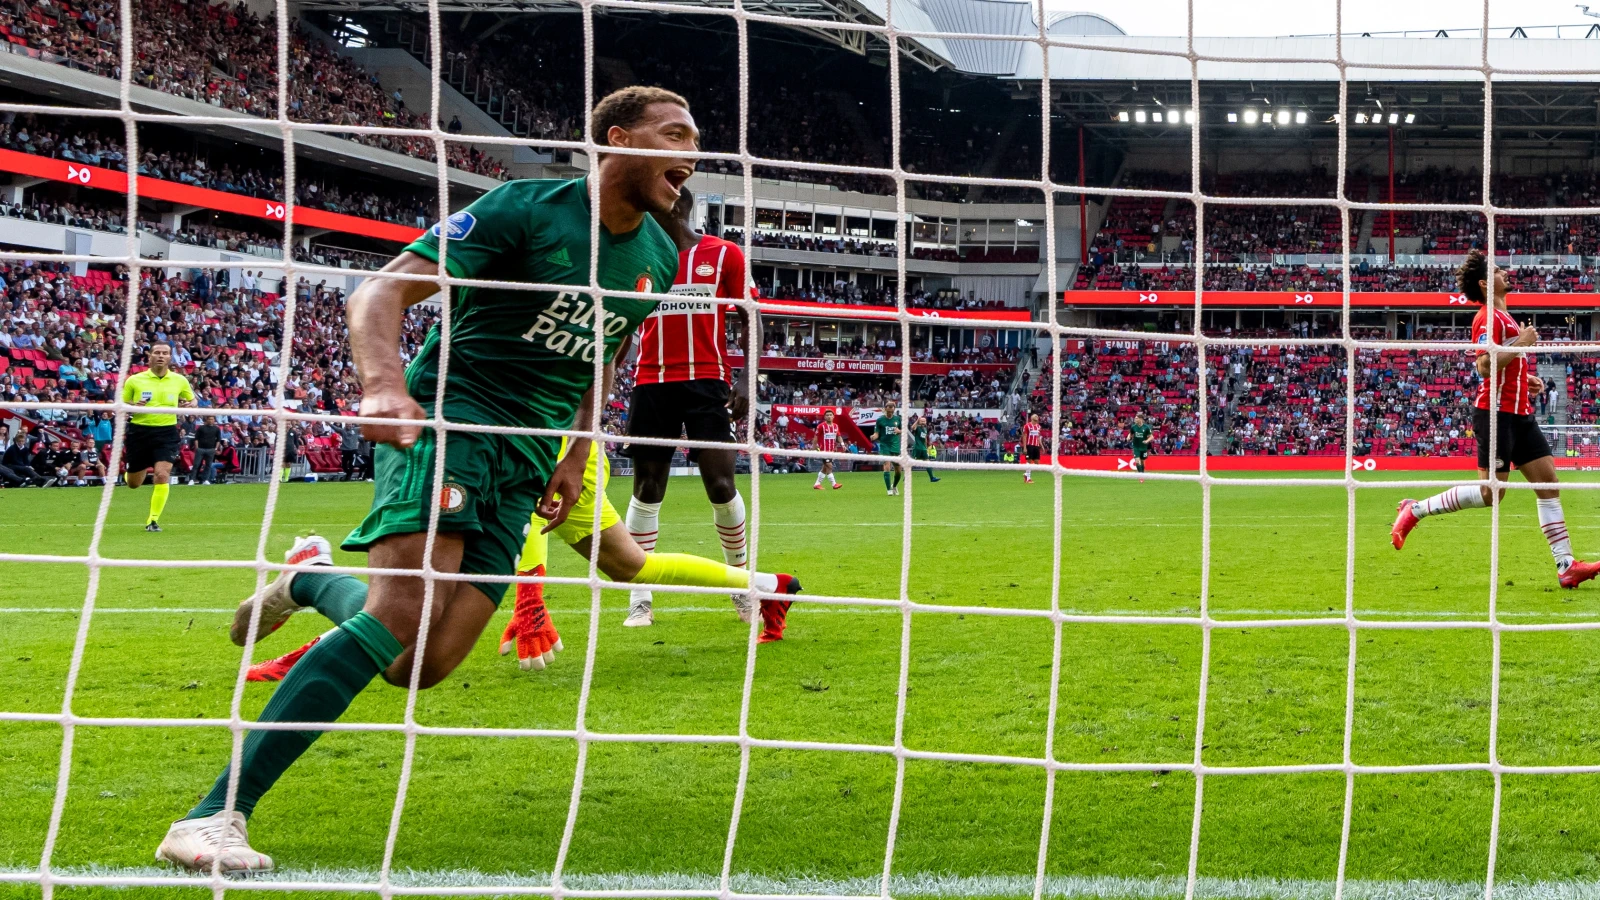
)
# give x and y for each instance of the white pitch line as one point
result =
(919, 885)
(831, 609)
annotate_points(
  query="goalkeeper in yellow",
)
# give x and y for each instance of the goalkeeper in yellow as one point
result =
(530, 631)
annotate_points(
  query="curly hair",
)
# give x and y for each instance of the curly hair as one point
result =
(1472, 275)
(626, 107)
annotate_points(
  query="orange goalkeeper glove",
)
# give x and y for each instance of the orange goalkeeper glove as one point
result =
(530, 629)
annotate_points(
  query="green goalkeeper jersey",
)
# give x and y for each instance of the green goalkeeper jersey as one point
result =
(887, 434)
(1140, 435)
(525, 358)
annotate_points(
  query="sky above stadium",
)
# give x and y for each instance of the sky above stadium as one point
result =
(1246, 18)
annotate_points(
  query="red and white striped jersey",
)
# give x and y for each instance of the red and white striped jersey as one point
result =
(1498, 327)
(685, 340)
(828, 437)
(1033, 434)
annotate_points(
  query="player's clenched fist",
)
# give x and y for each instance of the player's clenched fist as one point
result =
(391, 404)
(530, 629)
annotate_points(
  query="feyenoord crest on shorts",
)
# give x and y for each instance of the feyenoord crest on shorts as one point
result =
(452, 497)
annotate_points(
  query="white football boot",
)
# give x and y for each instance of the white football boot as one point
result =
(744, 607)
(276, 603)
(197, 844)
(640, 613)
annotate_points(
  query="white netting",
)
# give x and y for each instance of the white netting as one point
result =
(48, 877)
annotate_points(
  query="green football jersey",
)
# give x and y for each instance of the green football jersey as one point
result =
(1140, 433)
(919, 440)
(524, 358)
(887, 434)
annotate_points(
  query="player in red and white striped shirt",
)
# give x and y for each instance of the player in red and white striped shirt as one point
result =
(827, 442)
(1032, 445)
(686, 386)
(1518, 440)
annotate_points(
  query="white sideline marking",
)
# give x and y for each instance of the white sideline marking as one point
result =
(830, 609)
(922, 885)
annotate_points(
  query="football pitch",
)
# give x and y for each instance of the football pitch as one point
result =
(491, 810)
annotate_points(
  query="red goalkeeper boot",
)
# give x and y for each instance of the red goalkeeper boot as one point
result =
(1579, 572)
(775, 613)
(1404, 521)
(277, 669)
(530, 630)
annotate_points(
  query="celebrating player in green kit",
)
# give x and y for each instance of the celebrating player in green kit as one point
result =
(519, 358)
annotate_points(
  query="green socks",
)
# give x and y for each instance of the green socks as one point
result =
(158, 501)
(897, 474)
(887, 485)
(339, 597)
(318, 689)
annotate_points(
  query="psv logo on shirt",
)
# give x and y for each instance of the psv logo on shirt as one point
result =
(685, 338)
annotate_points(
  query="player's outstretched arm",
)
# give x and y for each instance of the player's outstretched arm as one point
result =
(375, 316)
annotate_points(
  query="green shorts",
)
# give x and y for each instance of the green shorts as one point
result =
(919, 452)
(1141, 450)
(488, 495)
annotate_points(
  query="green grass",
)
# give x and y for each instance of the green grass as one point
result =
(977, 684)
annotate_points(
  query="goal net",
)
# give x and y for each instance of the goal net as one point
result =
(904, 30)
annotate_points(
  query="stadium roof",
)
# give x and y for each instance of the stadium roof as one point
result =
(929, 18)
(1443, 56)
(1548, 54)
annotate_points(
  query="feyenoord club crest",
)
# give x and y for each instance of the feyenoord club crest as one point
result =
(644, 285)
(452, 498)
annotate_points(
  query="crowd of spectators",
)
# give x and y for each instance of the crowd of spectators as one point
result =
(1274, 400)
(226, 56)
(848, 293)
(102, 212)
(1099, 274)
(964, 389)
(99, 144)
(868, 247)
(62, 339)
(1137, 228)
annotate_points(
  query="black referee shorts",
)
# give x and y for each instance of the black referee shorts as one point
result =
(1519, 440)
(697, 410)
(146, 445)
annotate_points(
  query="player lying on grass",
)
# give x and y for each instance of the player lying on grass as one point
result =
(530, 632)
(517, 357)
(1519, 441)
(685, 386)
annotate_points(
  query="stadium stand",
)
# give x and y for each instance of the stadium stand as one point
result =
(226, 56)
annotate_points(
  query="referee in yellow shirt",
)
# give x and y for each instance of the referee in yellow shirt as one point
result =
(153, 440)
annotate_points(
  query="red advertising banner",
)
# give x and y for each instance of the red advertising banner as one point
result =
(811, 309)
(806, 418)
(831, 365)
(1115, 463)
(1319, 299)
(189, 195)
